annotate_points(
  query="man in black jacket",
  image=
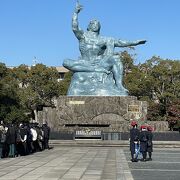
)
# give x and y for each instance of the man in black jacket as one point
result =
(46, 132)
(149, 142)
(134, 138)
(11, 139)
(143, 142)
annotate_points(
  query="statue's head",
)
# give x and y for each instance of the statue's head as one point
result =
(94, 26)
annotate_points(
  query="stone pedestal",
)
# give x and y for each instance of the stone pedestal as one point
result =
(105, 113)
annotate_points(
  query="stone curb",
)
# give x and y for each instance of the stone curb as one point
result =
(112, 143)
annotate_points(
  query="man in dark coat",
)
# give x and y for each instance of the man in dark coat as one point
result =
(23, 137)
(134, 138)
(143, 142)
(46, 132)
(149, 143)
(11, 139)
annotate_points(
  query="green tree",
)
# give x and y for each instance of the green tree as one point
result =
(155, 112)
(21, 74)
(173, 114)
(64, 84)
(164, 85)
(156, 81)
(10, 108)
(41, 87)
(136, 77)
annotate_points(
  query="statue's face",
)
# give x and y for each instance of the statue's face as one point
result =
(94, 26)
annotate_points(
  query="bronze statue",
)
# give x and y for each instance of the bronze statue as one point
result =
(98, 72)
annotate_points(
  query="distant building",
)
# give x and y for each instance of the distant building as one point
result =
(62, 71)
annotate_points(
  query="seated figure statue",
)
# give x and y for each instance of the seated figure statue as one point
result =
(98, 72)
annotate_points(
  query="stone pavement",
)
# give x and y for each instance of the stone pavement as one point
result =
(90, 163)
(164, 166)
(66, 163)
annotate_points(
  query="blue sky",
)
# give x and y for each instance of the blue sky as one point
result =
(42, 28)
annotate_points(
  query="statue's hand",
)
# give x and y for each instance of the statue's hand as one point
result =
(142, 41)
(78, 7)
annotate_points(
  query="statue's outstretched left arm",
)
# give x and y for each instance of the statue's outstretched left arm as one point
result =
(120, 43)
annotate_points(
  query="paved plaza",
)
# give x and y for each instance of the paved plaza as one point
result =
(91, 163)
(165, 166)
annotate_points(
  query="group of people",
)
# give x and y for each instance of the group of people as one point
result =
(141, 142)
(20, 139)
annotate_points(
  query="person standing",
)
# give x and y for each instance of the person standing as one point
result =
(34, 138)
(2, 138)
(143, 142)
(46, 133)
(134, 138)
(11, 139)
(149, 143)
(23, 137)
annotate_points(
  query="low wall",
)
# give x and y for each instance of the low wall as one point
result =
(157, 136)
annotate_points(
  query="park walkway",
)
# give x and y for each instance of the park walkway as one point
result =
(85, 163)
(91, 163)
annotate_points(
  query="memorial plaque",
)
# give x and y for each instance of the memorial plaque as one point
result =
(134, 108)
(76, 102)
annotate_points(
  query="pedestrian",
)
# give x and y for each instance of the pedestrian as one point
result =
(46, 133)
(134, 141)
(5, 150)
(149, 143)
(23, 138)
(2, 138)
(39, 138)
(34, 138)
(11, 139)
(143, 142)
(29, 139)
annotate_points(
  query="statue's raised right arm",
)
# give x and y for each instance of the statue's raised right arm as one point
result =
(75, 24)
